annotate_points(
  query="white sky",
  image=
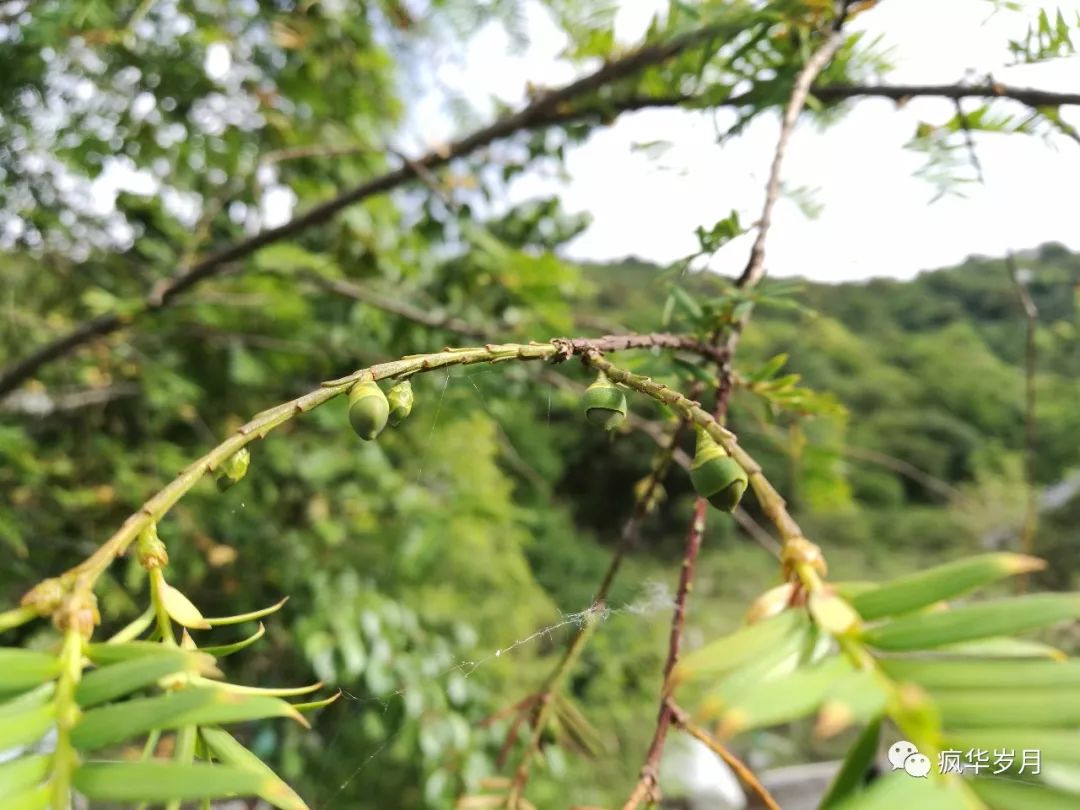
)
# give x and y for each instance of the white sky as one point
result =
(876, 221)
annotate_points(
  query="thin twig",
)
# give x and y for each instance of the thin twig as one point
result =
(740, 769)
(755, 267)
(646, 787)
(1031, 323)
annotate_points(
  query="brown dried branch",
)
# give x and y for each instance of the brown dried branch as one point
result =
(745, 775)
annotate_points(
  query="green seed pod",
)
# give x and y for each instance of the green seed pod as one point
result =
(232, 469)
(400, 398)
(368, 409)
(605, 403)
(715, 475)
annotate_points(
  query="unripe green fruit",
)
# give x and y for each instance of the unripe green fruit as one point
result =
(716, 476)
(233, 468)
(368, 409)
(400, 398)
(605, 403)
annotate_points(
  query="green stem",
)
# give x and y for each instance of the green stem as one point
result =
(65, 759)
(16, 617)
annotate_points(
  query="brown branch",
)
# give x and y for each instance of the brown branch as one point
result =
(755, 267)
(745, 775)
(646, 787)
(1031, 323)
(312, 151)
(900, 93)
(542, 111)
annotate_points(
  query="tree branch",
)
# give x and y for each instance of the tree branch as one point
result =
(544, 110)
(746, 776)
(83, 576)
(755, 267)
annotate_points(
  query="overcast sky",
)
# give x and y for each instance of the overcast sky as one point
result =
(877, 219)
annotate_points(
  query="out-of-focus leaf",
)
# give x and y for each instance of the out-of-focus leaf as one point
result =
(226, 748)
(158, 781)
(25, 726)
(780, 700)
(851, 778)
(1013, 794)
(958, 673)
(108, 683)
(108, 725)
(23, 669)
(22, 773)
(730, 652)
(1019, 705)
(981, 620)
(35, 798)
(898, 790)
(1053, 744)
(940, 583)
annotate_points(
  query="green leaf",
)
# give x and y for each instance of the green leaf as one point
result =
(23, 669)
(981, 620)
(741, 647)
(316, 704)
(112, 724)
(769, 369)
(108, 725)
(108, 683)
(227, 749)
(1003, 648)
(36, 798)
(109, 653)
(1019, 706)
(26, 725)
(779, 700)
(1014, 794)
(898, 790)
(972, 674)
(222, 650)
(19, 774)
(35, 697)
(940, 583)
(685, 303)
(159, 781)
(247, 617)
(852, 699)
(851, 777)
